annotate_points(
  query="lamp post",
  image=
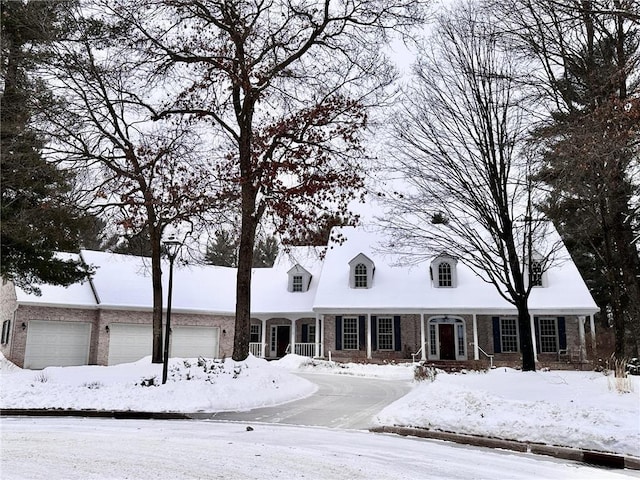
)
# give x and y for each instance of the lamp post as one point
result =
(172, 245)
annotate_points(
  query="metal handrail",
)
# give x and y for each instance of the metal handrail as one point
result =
(414, 355)
(490, 357)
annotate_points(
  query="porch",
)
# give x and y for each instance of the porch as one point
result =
(273, 338)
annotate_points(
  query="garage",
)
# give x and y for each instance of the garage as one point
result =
(59, 344)
(187, 342)
(129, 342)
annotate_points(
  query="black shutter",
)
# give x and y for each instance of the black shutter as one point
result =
(361, 333)
(536, 327)
(562, 333)
(305, 333)
(497, 348)
(374, 333)
(338, 332)
(396, 333)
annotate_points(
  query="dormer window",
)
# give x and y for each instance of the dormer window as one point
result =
(535, 274)
(361, 272)
(444, 275)
(361, 276)
(299, 279)
(536, 271)
(444, 272)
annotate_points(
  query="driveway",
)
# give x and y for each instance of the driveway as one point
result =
(342, 401)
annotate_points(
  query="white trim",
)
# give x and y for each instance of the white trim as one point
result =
(423, 340)
(449, 320)
(534, 340)
(368, 329)
(476, 351)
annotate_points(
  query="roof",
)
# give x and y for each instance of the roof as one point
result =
(124, 282)
(409, 288)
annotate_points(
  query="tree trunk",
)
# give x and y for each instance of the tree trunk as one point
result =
(156, 279)
(245, 263)
(526, 340)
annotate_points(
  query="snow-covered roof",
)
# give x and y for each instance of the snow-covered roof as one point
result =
(79, 295)
(124, 282)
(409, 288)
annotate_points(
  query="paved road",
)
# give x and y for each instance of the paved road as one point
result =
(341, 402)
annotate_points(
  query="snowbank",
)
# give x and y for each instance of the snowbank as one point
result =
(575, 409)
(193, 385)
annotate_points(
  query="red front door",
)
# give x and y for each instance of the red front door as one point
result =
(447, 342)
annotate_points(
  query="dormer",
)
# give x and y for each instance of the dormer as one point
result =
(536, 271)
(361, 271)
(299, 279)
(444, 271)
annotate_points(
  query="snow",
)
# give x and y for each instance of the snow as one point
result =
(395, 289)
(87, 449)
(192, 386)
(567, 408)
(401, 288)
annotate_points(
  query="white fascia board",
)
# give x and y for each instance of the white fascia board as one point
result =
(84, 306)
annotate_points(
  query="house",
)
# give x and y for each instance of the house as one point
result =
(356, 303)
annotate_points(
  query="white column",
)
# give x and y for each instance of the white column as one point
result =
(583, 345)
(263, 338)
(322, 322)
(476, 352)
(533, 338)
(293, 336)
(592, 324)
(423, 339)
(317, 347)
(368, 333)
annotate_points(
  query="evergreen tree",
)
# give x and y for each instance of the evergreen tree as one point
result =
(37, 216)
(222, 250)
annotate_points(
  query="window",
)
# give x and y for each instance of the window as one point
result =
(535, 274)
(444, 275)
(273, 339)
(297, 283)
(255, 334)
(460, 327)
(433, 348)
(385, 333)
(360, 276)
(350, 333)
(311, 334)
(548, 335)
(509, 335)
(6, 325)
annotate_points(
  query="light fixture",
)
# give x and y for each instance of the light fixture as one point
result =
(107, 328)
(24, 326)
(171, 245)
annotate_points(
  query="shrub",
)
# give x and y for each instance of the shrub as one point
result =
(423, 373)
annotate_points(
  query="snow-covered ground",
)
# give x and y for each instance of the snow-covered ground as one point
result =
(101, 448)
(568, 408)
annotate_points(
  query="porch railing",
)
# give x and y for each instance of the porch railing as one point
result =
(306, 349)
(255, 349)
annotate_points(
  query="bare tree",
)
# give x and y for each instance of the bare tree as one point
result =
(145, 173)
(588, 52)
(467, 190)
(285, 87)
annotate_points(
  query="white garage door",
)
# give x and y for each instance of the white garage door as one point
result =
(57, 344)
(187, 342)
(129, 342)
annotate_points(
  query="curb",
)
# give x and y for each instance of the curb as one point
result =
(601, 459)
(119, 414)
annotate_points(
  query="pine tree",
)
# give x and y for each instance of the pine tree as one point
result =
(37, 216)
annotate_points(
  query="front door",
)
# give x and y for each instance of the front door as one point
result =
(283, 338)
(447, 342)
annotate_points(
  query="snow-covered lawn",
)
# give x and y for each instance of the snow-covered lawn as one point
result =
(568, 408)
